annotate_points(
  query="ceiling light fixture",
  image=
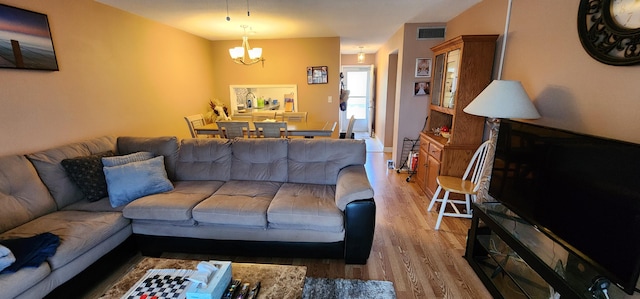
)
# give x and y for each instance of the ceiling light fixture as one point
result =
(238, 53)
(361, 56)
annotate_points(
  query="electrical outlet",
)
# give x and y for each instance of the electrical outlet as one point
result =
(330, 99)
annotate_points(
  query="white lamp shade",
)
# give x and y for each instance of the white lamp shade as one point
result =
(503, 99)
(255, 53)
(236, 52)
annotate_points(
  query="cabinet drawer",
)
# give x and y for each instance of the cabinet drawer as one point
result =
(435, 151)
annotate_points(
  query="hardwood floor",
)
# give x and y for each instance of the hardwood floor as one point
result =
(421, 262)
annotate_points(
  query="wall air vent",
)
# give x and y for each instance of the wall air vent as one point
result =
(430, 32)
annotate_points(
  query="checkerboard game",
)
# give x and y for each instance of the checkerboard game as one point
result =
(161, 284)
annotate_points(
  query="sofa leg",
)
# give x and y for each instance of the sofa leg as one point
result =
(360, 222)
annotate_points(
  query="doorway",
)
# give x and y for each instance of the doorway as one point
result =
(358, 79)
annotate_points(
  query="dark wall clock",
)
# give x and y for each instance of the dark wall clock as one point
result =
(610, 30)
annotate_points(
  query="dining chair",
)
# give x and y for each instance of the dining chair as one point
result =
(270, 129)
(263, 115)
(468, 185)
(349, 133)
(233, 129)
(194, 121)
(294, 116)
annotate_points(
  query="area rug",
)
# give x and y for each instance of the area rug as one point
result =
(326, 288)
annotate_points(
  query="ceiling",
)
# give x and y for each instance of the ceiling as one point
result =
(358, 23)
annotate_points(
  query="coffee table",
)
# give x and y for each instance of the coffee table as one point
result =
(277, 281)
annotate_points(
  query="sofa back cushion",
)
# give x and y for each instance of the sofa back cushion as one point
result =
(318, 161)
(159, 146)
(23, 197)
(256, 159)
(49, 167)
(204, 159)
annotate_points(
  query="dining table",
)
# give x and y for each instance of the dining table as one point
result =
(307, 129)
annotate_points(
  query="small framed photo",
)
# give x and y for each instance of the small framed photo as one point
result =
(317, 75)
(423, 67)
(421, 88)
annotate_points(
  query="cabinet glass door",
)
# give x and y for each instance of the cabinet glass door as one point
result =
(451, 79)
(436, 91)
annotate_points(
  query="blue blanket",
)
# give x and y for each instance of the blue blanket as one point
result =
(32, 251)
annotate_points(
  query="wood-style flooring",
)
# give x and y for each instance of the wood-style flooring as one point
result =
(420, 261)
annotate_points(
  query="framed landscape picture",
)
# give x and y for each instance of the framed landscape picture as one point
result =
(423, 67)
(25, 40)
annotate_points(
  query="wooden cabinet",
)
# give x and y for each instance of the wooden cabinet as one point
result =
(463, 67)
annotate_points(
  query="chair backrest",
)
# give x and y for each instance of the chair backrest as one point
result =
(233, 129)
(194, 121)
(349, 132)
(294, 116)
(477, 164)
(270, 129)
(263, 115)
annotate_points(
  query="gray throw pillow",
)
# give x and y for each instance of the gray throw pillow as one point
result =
(131, 181)
(86, 172)
(121, 160)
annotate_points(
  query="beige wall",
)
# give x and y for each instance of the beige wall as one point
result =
(409, 111)
(286, 62)
(119, 75)
(122, 74)
(570, 89)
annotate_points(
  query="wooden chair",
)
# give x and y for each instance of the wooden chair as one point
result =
(270, 129)
(467, 185)
(294, 116)
(233, 129)
(263, 115)
(194, 121)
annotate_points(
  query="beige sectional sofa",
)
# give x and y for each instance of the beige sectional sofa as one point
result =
(299, 197)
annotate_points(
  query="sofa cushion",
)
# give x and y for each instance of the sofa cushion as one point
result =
(23, 196)
(86, 172)
(102, 205)
(204, 159)
(126, 159)
(47, 163)
(318, 161)
(172, 206)
(131, 181)
(159, 146)
(305, 206)
(259, 159)
(241, 203)
(17, 283)
(78, 231)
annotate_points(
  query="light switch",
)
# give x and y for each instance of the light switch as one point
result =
(330, 99)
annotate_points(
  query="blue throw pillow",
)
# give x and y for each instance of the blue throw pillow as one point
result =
(131, 181)
(121, 160)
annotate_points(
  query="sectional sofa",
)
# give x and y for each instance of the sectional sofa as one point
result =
(298, 197)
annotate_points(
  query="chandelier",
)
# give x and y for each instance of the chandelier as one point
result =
(239, 54)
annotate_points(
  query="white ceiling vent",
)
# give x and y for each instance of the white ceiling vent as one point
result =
(430, 32)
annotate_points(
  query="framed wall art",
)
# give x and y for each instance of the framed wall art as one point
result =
(317, 75)
(25, 40)
(421, 88)
(423, 67)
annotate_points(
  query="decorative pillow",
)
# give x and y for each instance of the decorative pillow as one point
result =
(131, 181)
(86, 172)
(121, 160)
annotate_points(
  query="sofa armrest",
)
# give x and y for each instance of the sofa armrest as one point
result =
(352, 185)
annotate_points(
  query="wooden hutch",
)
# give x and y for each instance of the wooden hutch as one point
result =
(463, 68)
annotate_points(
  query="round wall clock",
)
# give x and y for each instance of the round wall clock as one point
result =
(610, 30)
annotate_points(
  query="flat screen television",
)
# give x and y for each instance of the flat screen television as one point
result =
(580, 190)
